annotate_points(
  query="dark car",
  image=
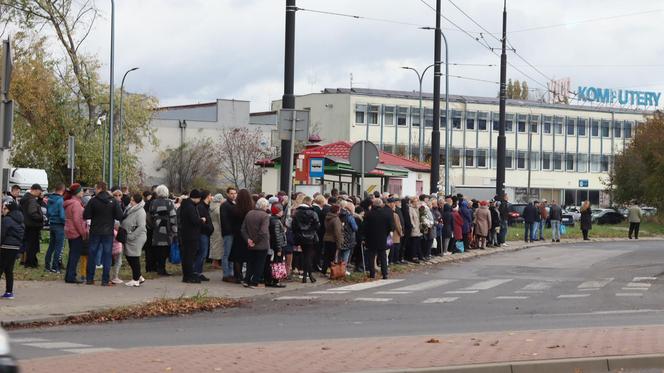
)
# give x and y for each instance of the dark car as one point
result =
(516, 213)
(608, 216)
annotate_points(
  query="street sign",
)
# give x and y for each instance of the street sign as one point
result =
(316, 167)
(583, 183)
(364, 156)
(285, 123)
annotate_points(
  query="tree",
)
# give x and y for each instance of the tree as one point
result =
(510, 88)
(192, 165)
(516, 92)
(638, 172)
(524, 90)
(239, 149)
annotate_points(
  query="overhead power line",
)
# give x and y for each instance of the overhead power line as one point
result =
(589, 20)
(330, 13)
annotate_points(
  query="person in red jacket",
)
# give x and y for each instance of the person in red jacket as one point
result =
(76, 230)
(458, 227)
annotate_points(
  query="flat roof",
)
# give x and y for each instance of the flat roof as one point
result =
(413, 95)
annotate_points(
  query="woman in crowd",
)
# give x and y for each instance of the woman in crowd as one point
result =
(256, 234)
(76, 230)
(482, 224)
(239, 250)
(333, 238)
(415, 239)
(162, 217)
(12, 238)
(448, 229)
(216, 239)
(277, 245)
(116, 254)
(134, 223)
(586, 219)
(437, 213)
(458, 229)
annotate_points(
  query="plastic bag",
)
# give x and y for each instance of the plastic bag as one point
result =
(563, 229)
(174, 256)
(459, 246)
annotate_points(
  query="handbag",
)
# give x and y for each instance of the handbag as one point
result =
(337, 270)
(121, 236)
(174, 256)
(278, 270)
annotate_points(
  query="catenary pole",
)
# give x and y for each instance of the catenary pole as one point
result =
(500, 164)
(288, 99)
(435, 133)
(111, 123)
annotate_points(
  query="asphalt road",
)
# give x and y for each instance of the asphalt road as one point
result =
(557, 286)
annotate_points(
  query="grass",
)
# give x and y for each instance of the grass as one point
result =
(648, 229)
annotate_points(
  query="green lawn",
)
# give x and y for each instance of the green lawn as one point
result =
(648, 229)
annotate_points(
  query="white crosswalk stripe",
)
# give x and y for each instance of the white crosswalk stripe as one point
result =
(511, 297)
(440, 300)
(565, 296)
(296, 297)
(488, 284)
(595, 284)
(373, 299)
(88, 350)
(56, 345)
(426, 285)
(367, 285)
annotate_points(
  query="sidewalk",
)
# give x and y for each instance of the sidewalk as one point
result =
(369, 354)
(46, 300)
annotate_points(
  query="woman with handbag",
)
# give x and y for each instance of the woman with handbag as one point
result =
(275, 268)
(134, 223)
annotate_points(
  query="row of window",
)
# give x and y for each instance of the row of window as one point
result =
(480, 121)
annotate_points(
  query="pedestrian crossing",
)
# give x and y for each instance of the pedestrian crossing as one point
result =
(450, 290)
(62, 346)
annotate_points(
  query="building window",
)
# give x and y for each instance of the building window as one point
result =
(594, 128)
(605, 163)
(605, 128)
(628, 130)
(443, 121)
(569, 162)
(595, 162)
(570, 127)
(617, 129)
(415, 117)
(581, 127)
(456, 123)
(360, 113)
(428, 118)
(509, 159)
(534, 125)
(521, 127)
(547, 128)
(481, 158)
(388, 117)
(374, 110)
(534, 161)
(509, 124)
(456, 157)
(546, 161)
(521, 160)
(582, 163)
(402, 116)
(470, 124)
(558, 126)
(470, 158)
(557, 161)
(482, 121)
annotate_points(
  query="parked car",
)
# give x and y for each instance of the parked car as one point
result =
(516, 213)
(607, 216)
(574, 211)
(7, 361)
(649, 211)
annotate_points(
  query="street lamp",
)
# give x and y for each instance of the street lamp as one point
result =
(435, 161)
(420, 78)
(121, 126)
(100, 123)
(112, 100)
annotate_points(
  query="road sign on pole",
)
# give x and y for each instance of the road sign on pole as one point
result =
(293, 125)
(364, 157)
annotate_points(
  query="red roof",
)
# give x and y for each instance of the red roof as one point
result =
(341, 149)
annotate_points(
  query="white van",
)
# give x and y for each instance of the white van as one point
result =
(25, 178)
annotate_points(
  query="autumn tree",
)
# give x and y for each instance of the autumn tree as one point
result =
(192, 165)
(517, 90)
(239, 149)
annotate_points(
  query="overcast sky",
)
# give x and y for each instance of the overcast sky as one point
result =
(200, 50)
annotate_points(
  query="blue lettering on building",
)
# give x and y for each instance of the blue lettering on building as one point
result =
(621, 96)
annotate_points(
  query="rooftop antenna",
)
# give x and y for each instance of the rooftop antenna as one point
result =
(351, 81)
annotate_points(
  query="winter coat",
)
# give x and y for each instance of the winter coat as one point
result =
(530, 213)
(229, 217)
(134, 222)
(33, 217)
(542, 212)
(204, 211)
(350, 229)
(399, 212)
(333, 230)
(277, 234)
(55, 209)
(458, 225)
(635, 214)
(587, 219)
(190, 221)
(163, 219)
(482, 221)
(407, 225)
(414, 215)
(12, 230)
(75, 225)
(398, 230)
(495, 217)
(103, 210)
(467, 215)
(426, 219)
(448, 222)
(378, 223)
(322, 213)
(555, 212)
(256, 227)
(216, 239)
(305, 226)
(504, 210)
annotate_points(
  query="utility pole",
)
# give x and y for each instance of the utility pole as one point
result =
(435, 133)
(500, 164)
(111, 121)
(288, 99)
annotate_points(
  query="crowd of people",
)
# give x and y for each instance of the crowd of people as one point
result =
(254, 239)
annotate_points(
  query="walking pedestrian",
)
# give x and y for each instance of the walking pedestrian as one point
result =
(56, 217)
(586, 219)
(378, 225)
(305, 234)
(635, 215)
(76, 230)
(102, 210)
(555, 216)
(134, 222)
(256, 232)
(216, 239)
(10, 243)
(229, 214)
(190, 232)
(33, 218)
(162, 217)
(207, 230)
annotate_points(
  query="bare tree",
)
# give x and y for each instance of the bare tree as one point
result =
(191, 165)
(239, 149)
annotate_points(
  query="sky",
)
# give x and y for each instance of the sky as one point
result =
(199, 50)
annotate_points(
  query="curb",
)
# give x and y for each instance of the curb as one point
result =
(595, 364)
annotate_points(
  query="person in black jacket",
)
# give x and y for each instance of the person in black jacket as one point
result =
(378, 223)
(305, 234)
(229, 214)
(12, 238)
(33, 218)
(495, 224)
(277, 245)
(530, 215)
(190, 231)
(504, 211)
(206, 231)
(103, 210)
(448, 228)
(407, 227)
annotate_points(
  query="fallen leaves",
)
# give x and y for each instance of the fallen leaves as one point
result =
(555, 346)
(433, 340)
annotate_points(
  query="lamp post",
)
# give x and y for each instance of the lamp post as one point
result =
(111, 122)
(435, 161)
(121, 126)
(420, 78)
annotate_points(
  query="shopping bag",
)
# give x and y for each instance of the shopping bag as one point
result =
(174, 256)
(337, 270)
(563, 229)
(459, 246)
(278, 270)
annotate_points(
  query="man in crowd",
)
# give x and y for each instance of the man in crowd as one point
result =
(555, 216)
(378, 224)
(206, 231)
(190, 235)
(530, 215)
(56, 218)
(102, 210)
(163, 219)
(228, 215)
(16, 193)
(33, 218)
(504, 211)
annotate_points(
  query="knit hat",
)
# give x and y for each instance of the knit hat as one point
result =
(195, 194)
(75, 188)
(276, 208)
(10, 204)
(273, 200)
(483, 203)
